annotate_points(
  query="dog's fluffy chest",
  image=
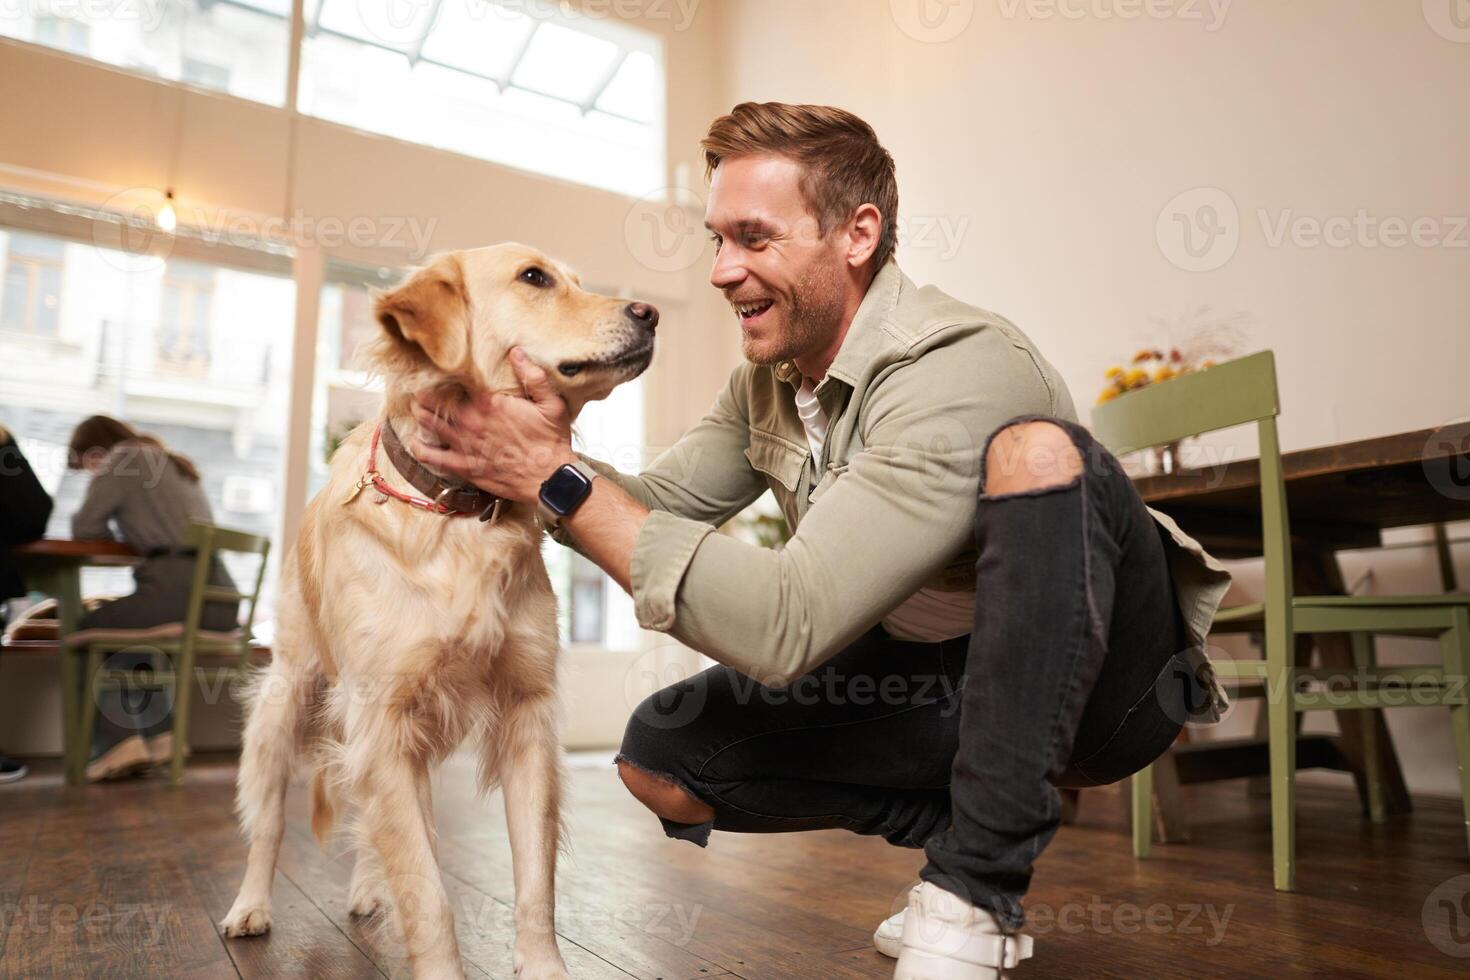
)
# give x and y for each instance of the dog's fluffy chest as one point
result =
(428, 580)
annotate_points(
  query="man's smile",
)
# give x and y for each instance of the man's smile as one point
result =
(751, 312)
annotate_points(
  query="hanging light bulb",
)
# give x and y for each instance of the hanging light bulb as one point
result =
(166, 219)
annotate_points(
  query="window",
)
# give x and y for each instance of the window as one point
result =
(31, 301)
(183, 319)
(206, 75)
(568, 97)
(58, 32)
(345, 394)
(591, 607)
(555, 93)
(127, 329)
(235, 46)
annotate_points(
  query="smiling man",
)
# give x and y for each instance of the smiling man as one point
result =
(974, 608)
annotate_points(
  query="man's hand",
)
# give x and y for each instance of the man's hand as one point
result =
(502, 444)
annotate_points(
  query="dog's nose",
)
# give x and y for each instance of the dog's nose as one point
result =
(643, 314)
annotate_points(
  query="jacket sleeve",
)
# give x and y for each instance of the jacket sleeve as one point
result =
(705, 476)
(103, 498)
(904, 505)
(25, 506)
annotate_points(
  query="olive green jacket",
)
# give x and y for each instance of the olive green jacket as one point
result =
(919, 384)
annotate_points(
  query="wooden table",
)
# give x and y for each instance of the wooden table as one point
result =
(1341, 496)
(54, 566)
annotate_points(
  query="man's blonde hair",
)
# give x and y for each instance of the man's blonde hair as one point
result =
(843, 164)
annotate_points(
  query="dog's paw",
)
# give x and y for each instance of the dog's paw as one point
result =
(369, 903)
(544, 966)
(548, 971)
(247, 920)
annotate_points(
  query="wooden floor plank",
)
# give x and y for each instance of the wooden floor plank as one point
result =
(303, 942)
(105, 894)
(632, 903)
(17, 844)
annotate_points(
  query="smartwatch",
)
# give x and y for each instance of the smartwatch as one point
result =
(564, 491)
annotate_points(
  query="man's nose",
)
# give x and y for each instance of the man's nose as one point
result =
(727, 271)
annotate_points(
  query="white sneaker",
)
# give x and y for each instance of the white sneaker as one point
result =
(888, 939)
(947, 938)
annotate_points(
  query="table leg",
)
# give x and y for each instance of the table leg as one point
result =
(68, 593)
(63, 582)
(1317, 573)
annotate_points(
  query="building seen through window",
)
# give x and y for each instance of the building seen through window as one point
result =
(195, 353)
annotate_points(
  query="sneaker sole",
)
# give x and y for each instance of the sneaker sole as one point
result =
(10, 777)
(916, 964)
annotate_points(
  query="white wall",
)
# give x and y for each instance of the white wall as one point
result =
(1056, 143)
(1050, 144)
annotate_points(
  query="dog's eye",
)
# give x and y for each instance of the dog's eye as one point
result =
(536, 276)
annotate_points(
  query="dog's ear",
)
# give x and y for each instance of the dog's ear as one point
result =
(430, 311)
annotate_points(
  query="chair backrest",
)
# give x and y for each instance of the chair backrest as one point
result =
(1234, 393)
(208, 542)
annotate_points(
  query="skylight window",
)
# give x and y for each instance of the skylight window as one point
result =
(566, 64)
(627, 94)
(566, 97)
(478, 37)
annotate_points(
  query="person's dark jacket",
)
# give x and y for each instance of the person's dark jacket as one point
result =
(25, 506)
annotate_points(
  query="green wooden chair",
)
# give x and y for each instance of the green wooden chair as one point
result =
(183, 642)
(1241, 392)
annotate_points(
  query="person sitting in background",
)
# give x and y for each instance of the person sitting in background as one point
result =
(150, 494)
(25, 506)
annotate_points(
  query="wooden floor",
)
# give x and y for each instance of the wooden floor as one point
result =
(128, 880)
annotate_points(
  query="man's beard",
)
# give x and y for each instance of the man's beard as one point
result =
(816, 310)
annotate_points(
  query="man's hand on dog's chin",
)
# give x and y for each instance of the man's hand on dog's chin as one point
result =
(502, 444)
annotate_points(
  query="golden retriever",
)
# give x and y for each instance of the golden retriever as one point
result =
(402, 631)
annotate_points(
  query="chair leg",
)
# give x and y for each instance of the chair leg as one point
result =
(183, 692)
(86, 714)
(1364, 658)
(1173, 820)
(1143, 811)
(1455, 647)
(1281, 706)
(71, 713)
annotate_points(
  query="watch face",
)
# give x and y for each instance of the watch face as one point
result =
(565, 489)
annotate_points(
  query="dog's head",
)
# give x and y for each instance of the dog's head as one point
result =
(454, 321)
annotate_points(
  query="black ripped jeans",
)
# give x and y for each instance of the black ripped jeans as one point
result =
(1071, 677)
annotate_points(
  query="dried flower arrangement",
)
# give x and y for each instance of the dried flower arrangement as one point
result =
(1208, 338)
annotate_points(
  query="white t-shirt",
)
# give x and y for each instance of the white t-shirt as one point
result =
(928, 615)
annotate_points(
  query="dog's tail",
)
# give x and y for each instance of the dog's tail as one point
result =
(323, 815)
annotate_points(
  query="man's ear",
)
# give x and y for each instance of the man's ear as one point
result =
(430, 311)
(865, 233)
